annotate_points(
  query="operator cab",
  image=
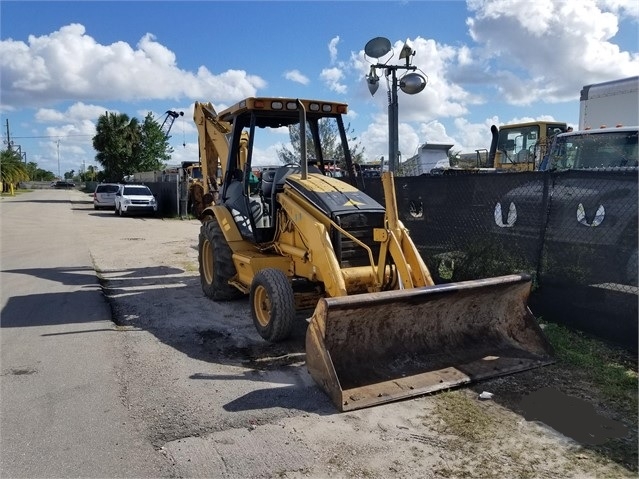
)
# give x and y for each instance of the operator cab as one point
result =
(253, 201)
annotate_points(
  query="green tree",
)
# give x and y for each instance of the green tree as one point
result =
(330, 140)
(125, 146)
(32, 168)
(43, 175)
(38, 174)
(12, 169)
(154, 150)
(89, 175)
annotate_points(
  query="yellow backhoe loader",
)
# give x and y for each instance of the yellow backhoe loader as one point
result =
(380, 330)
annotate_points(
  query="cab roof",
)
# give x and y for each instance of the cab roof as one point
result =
(282, 111)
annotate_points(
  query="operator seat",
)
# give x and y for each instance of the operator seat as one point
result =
(236, 200)
(267, 184)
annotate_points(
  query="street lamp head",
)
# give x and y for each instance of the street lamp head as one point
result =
(372, 80)
(412, 83)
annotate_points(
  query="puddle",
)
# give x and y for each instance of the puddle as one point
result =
(571, 416)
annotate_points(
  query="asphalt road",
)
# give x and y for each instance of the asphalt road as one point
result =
(61, 409)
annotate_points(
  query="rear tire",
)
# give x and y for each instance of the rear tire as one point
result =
(272, 304)
(216, 263)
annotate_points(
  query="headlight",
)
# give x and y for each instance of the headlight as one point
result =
(152, 202)
(127, 201)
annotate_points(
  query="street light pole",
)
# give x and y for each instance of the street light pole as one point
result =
(409, 83)
(393, 124)
(59, 177)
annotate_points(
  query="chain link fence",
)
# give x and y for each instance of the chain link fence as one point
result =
(575, 232)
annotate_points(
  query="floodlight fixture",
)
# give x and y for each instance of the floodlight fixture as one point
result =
(372, 80)
(377, 47)
(406, 52)
(412, 83)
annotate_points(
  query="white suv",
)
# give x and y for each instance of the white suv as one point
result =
(104, 195)
(135, 199)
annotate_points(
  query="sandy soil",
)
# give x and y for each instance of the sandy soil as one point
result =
(217, 401)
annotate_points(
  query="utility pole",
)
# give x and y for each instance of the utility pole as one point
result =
(58, 143)
(8, 140)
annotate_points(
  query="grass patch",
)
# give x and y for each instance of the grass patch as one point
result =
(190, 267)
(463, 417)
(612, 370)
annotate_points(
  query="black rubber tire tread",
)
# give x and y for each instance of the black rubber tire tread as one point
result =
(279, 291)
(223, 268)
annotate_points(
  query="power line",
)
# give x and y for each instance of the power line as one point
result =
(50, 136)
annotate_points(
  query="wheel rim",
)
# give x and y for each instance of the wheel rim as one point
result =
(207, 261)
(262, 306)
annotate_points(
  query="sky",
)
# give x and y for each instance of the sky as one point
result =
(64, 64)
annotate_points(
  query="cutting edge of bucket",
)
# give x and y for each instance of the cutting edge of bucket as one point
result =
(429, 382)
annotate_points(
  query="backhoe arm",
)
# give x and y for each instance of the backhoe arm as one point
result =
(213, 142)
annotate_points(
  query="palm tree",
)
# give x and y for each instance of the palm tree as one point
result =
(116, 141)
(12, 170)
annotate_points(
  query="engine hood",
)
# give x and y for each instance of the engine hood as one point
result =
(332, 196)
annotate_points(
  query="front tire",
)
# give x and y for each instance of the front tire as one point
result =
(216, 263)
(272, 304)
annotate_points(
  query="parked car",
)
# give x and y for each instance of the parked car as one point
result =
(135, 199)
(64, 184)
(104, 195)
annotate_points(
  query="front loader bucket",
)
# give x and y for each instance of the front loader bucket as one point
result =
(374, 348)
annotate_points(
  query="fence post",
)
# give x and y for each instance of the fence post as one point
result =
(544, 218)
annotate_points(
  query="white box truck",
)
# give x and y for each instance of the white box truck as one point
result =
(610, 104)
(608, 129)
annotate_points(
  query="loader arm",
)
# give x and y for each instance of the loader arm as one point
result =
(396, 241)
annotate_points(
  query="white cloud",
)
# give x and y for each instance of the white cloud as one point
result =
(296, 76)
(332, 48)
(76, 112)
(629, 8)
(69, 64)
(332, 78)
(548, 50)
